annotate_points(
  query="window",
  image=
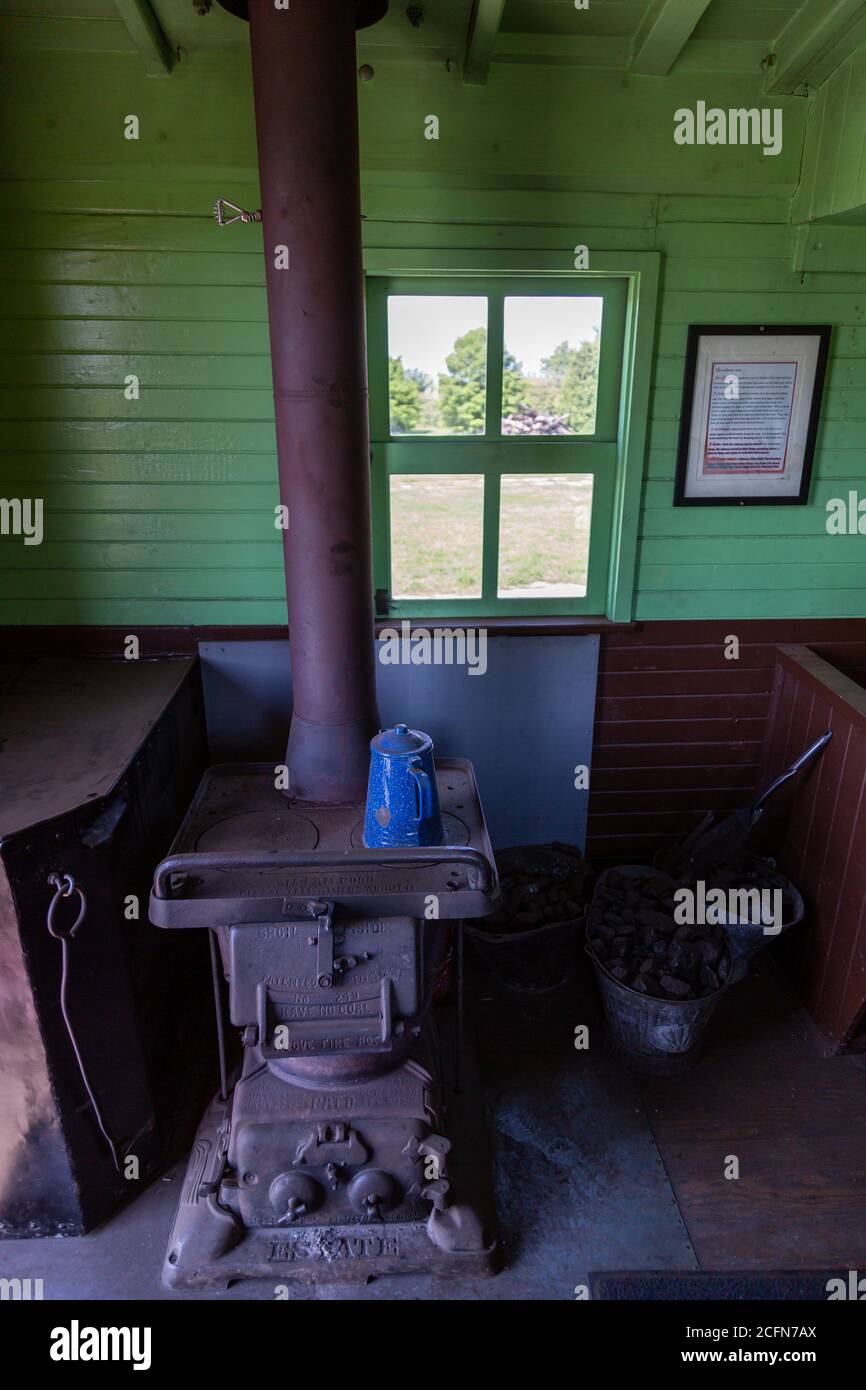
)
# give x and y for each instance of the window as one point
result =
(494, 414)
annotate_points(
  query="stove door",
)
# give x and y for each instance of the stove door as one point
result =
(317, 988)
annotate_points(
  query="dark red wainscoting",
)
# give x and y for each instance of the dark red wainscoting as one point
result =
(822, 843)
(679, 730)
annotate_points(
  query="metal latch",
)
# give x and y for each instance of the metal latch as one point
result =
(324, 944)
(332, 1143)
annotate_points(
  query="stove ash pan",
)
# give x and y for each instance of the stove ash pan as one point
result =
(247, 854)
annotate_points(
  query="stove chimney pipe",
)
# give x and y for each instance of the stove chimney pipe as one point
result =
(304, 83)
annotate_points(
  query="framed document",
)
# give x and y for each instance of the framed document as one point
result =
(751, 404)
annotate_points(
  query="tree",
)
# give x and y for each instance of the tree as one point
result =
(404, 391)
(462, 391)
(513, 384)
(572, 373)
(425, 382)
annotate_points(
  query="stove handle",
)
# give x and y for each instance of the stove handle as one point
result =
(410, 857)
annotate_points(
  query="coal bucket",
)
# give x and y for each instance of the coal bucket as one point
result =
(655, 1037)
(542, 958)
(652, 1036)
(745, 939)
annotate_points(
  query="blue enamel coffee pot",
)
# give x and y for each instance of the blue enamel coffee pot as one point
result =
(402, 797)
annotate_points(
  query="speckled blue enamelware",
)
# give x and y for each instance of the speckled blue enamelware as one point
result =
(402, 798)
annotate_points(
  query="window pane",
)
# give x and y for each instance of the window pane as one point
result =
(544, 535)
(436, 528)
(437, 363)
(550, 364)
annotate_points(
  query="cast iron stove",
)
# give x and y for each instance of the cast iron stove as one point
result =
(344, 1147)
(332, 1156)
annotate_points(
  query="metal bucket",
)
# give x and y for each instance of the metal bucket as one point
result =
(655, 1037)
(529, 962)
(745, 939)
(543, 958)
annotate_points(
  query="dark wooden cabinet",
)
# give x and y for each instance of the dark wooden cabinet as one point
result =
(98, 762)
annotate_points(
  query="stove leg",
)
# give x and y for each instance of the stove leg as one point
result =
(458, 1230)
(203, 1232)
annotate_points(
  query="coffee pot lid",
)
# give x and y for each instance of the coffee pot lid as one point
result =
(401, 739)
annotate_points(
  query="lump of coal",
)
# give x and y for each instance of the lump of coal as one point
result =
(633, 934)
(542, 885)
(657, 921)
(676, 988)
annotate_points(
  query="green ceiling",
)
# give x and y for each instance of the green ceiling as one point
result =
(797, 43)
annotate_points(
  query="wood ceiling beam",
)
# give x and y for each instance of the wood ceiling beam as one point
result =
(144, 29)
(483, 28)
(814, 43)
(663, 33)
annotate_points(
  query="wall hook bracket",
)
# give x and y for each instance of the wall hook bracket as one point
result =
(222, 205)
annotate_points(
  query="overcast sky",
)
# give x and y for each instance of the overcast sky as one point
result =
(422, 328)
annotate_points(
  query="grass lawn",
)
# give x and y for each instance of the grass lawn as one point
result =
(436, 529)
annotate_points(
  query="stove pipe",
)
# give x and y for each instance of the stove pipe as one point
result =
(304, 84)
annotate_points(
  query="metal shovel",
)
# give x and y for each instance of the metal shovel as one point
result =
(727, 839)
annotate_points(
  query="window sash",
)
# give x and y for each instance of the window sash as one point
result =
(612, 290)
(493, 454)
(491, 460)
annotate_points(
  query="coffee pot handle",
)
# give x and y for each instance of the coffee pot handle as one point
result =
(425, 791)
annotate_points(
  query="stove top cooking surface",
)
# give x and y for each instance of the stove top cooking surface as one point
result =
(246, 852)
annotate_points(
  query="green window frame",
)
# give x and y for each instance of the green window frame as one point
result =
(493, 455)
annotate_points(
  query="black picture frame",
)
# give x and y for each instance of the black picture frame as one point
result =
(696, 332)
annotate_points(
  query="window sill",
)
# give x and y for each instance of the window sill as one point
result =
(532, 625)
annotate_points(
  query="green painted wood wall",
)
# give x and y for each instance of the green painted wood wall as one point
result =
(833, 184)
(161, 510)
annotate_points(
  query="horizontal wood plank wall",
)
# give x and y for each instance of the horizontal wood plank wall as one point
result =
(160, 510)
(680, 729)
(823, 847)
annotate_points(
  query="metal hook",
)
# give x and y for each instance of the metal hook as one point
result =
(220, 206)
(64, 886)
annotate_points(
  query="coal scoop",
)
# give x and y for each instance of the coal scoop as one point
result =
(634, 934)
(760, 904)
(715, 843)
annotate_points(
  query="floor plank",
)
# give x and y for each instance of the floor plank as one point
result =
(769, 1092)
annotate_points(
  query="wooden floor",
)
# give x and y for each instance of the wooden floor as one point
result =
(768, 1092)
